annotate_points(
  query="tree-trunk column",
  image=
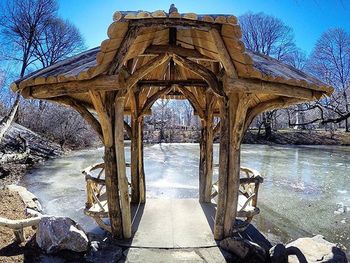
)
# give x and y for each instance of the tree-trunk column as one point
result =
(110, 160)
(206, 153)
(233, 113)
(137, 170)
(121, 166)
(141, 171)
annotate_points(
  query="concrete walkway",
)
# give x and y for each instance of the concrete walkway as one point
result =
(173, 223)
(173, 230)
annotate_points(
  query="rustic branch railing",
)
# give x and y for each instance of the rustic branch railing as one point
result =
(248, 196)
(96, 205)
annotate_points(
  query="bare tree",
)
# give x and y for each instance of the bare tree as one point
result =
(22, 22)
(330, 61)
(267, 35)
(59, 40)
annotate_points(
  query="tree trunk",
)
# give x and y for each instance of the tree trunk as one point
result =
(137, 171)
(267, 118)
(347, 128)
(111, 177)
(121, 166)
(5, 123)
(206, 153)
(233, 115)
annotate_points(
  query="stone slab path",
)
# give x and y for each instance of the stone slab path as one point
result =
(173, 223)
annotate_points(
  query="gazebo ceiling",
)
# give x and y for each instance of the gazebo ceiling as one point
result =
(136, 39)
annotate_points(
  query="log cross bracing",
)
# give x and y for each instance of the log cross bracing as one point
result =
(202, 71)
(181, 51)
(145, 69)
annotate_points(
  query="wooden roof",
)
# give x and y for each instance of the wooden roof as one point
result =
(136, 39)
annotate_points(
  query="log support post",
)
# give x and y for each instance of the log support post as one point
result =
(110, 109)
(111, 178)
(121, 166)
(233, 114)
(138, 189)
(206, 151)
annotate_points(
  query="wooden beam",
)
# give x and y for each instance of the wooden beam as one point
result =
(100, 83)
(164, 83)
(181, 51)
(145, 69)
(223, 167)
(265, 87)
(173, 22)
(238, 105)
(202, 71)
(104, 117)
(111, 178)
(206, 151)
(119, 58)
(224, 56)
(83, 111)
(121, 167)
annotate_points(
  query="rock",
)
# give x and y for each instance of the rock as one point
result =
(244, 249)
(30, 200)
(61, 233)
(317, 249)
(279, 254)
(108, 254)
(95, 245)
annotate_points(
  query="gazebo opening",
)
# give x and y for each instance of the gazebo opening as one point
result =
(164, 160)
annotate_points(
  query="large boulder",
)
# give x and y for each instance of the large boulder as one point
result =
(317, 249)
(244, 249)
(61, 233)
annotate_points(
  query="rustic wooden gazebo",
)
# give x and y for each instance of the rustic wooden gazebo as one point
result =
(155, 55)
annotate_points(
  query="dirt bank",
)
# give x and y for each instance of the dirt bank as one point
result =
(12, 207)
(40, 149)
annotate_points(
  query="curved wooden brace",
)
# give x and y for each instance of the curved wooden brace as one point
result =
(202, 71)
(281, 102)
(151, 100)
(88, 117)
(105, 122)
(145, 69)
(193, 100)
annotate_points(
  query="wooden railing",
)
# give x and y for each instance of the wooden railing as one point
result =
(250, 180)
(96, 185)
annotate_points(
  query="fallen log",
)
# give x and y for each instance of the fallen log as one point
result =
(18, 225)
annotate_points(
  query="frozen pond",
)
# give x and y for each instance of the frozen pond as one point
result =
(303, 190)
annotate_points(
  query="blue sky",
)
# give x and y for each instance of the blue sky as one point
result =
(308, 18)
